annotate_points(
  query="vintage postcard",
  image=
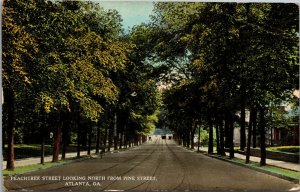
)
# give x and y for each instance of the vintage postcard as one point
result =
(150, 96)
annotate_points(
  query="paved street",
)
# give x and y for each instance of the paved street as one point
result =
(159, 165)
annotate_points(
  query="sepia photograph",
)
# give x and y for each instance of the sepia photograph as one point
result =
(162, 96)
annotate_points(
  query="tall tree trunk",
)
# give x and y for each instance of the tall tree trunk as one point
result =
(227, 130)
(192, 139)
(121, 139)
(198, 140)
(56, 137)
(217, 137)
(125, 139)
(186, 140)
(105, 139)
(65, 132)
(110, 136)
(43, 143)
(43, 126)
(137, 140)
(249, 137)
(254, 124)
(98, 139)
(64, 142)
(183, 140)
(115, 132)
(188, 135)
(9, 97)
(179, 139)
(222, 151)
(101, 139)
(78, 135)
(89, 139)
(122, 128)
(262, 137)
(211, 137)
(134, 140)
(124, 133)
(243, 122)
(231, 143)
(129, 140)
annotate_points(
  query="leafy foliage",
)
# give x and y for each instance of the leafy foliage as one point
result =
(68, 64)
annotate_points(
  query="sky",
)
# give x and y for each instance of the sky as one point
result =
(133, 13)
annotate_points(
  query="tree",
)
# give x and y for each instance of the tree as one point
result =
(18, 49)
(229, 44)
(72, 62)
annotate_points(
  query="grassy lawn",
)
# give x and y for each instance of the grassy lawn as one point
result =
(285, 149)
(34, 150)
(28, 168)
(25, 151)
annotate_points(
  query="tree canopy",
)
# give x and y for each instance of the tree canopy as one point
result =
(70, 67)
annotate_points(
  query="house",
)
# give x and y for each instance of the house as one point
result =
(286, 133)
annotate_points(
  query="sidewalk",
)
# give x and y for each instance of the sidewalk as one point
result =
(282, 164)
(37, 160)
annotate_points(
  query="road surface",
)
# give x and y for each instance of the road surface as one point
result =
(158, 165)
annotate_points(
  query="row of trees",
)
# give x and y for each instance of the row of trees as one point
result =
(229, 58)
(69, 69)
